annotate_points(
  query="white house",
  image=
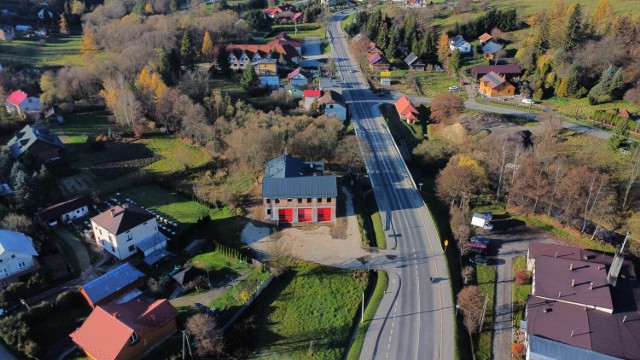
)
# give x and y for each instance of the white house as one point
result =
(21, 103)
(333, 105)
(127, 228)
(310, 96)
(299, 77)
(16, 256)
(66, 211)
(458, 42)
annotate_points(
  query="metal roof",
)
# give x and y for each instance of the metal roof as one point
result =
(411, 59)
(286, 166)
(16, 242)
(28, 136)
(545, 349)
(300, 187)
(112, 282)
(491, 47)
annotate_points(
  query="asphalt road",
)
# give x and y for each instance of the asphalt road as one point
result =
(415, 318)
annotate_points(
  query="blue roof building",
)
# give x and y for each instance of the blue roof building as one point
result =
(112, 285)
(42, 144)
(297, 191)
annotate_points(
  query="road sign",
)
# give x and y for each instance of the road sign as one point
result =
(446, 243)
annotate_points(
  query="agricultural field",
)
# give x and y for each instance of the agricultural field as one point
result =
(50, 51)
(307, 312)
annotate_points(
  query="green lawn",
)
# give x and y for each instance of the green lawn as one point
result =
(486, 281)
(226, 85)
(53, 51)
(382, 281)
(58, 326)
(376, 220)
(216, 261)
(78, 127)
(177, 155)
(167, 204)
(308, 312)
(568, 107)
(301, 34)
(520, 292)
(239, 293)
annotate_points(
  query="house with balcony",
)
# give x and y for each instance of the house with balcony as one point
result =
(126, 331)
(127, 229)
(295, 191)
(17, 257)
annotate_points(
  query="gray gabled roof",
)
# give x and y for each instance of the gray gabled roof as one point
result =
(545, 349)
(413, 59)
(286, 166)
(300, 187)
(16, 242)
(112, 282)
(28, 136)
(491, 47)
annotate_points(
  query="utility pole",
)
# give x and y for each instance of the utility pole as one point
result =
(484, 310)
(185, 339)
(362, 316)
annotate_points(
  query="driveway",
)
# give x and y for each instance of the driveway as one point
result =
(511, 238)
(78, 248)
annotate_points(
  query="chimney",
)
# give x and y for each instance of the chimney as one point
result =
(571, 333)
(571, 267)
(125, 205)
(113, 212)
(573, 282)
(591, 285)
(600, 267)
(624, 319)
(556, 254)
(559, 294)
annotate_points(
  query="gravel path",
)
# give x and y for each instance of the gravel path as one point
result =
(78, 248)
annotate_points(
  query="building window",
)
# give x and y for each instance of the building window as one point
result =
(22, 264)
(100, 231)
(13, 256)
(268, 211)
(289, 200)
(299, 200)
(309, 200)
(268, 201)
(134, 338)
(319, 200)
(277, 201)
(129, 237)
(329, 200)
(132, 248)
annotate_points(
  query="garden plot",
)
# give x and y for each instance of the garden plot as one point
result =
(123, 159)
(76, 184)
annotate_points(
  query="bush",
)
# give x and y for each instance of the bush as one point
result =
(522, 277)
(517, 349)
(40, 312)
(67, 300)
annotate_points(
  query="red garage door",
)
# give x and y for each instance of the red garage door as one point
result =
(305, 215)
(285, 215)
(324, 214)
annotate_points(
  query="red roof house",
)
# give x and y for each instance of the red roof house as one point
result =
(378, 61)
(17, 97)
(406, 110)
(125, 331)
(310, 96)
(19, 102)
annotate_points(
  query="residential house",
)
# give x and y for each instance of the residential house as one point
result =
(329, 3)
(17, 256)
(21, 103)
(283, 48)
(37, 143)
(295, 92)
(334, 105)
(66, 211)
(119, 283)
(378, 61)
(583, 304)
(327, 83)
(459, 43)
(485, 38)
(126, 331)
(372, 48)
(310, 96)
(414, 62)
(297, 191)
(494, 85)
(126, 229)
(417, 3)
(508, 71)
(45, 14)
(275, 11)
(53, 116)
(406, 110)
(267, 71)
(299, 77)
(7, 33)
(490, 49)
(297, 17)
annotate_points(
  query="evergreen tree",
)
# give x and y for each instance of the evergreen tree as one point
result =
(454, 62)
(306, 16)
(162, 63)
(574, 31)
(430, 49)
(5, 162)
(21, 187)
(64, 25)
(409, 29)
(616, 89)
(138, 8)
(223, 5)
(383, 35)
(394, 41)
(249, 78)
(187, 54)
(208, 50)
(620, 134)
(541, 42)
(173, 6)
(561, 90)
(573, 81)
(600, 92)
(223, 61)
(373, 24)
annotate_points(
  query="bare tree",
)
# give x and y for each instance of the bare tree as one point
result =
(278, 255)
(471, 301)
(207, 338)
(17, 222)
(445, 108)
(633, 170)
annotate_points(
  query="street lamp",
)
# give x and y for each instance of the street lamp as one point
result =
(457, 308)
(420, 186)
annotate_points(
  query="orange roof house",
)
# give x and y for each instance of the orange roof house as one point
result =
(485, 38)
(125, 331)
(494, 85)
(406, 110)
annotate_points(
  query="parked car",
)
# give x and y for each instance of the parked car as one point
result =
(480, 239)
(478, 245)
(476, 250)
(454, 88)
(528, 101)
(479, 260)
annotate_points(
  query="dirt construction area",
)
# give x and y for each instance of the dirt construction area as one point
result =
(331, 244)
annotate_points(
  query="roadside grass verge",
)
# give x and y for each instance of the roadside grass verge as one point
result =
(376, 220)
(307, 312)
(382, 281)
(486, 277)
(520, 292)
(167, 204)
(412, 135)
(53, 50)
(69, 254)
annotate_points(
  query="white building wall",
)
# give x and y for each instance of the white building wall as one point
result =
(120, 246)
(75, 214)
(12, 263)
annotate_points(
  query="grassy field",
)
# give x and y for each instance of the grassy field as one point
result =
(376, 220)
(520, 292)
(167, 204)
(239, 293)
(486, 281)
(382, 281)
(301, 34)
(308, 312)
(58, 326)
(215, 261)
(78, 127)
(54, 51)
(226, 85)
(177, 155)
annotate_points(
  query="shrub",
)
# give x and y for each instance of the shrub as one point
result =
(522, 277)
(517, 349)
(67, 300)
(40, 312)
